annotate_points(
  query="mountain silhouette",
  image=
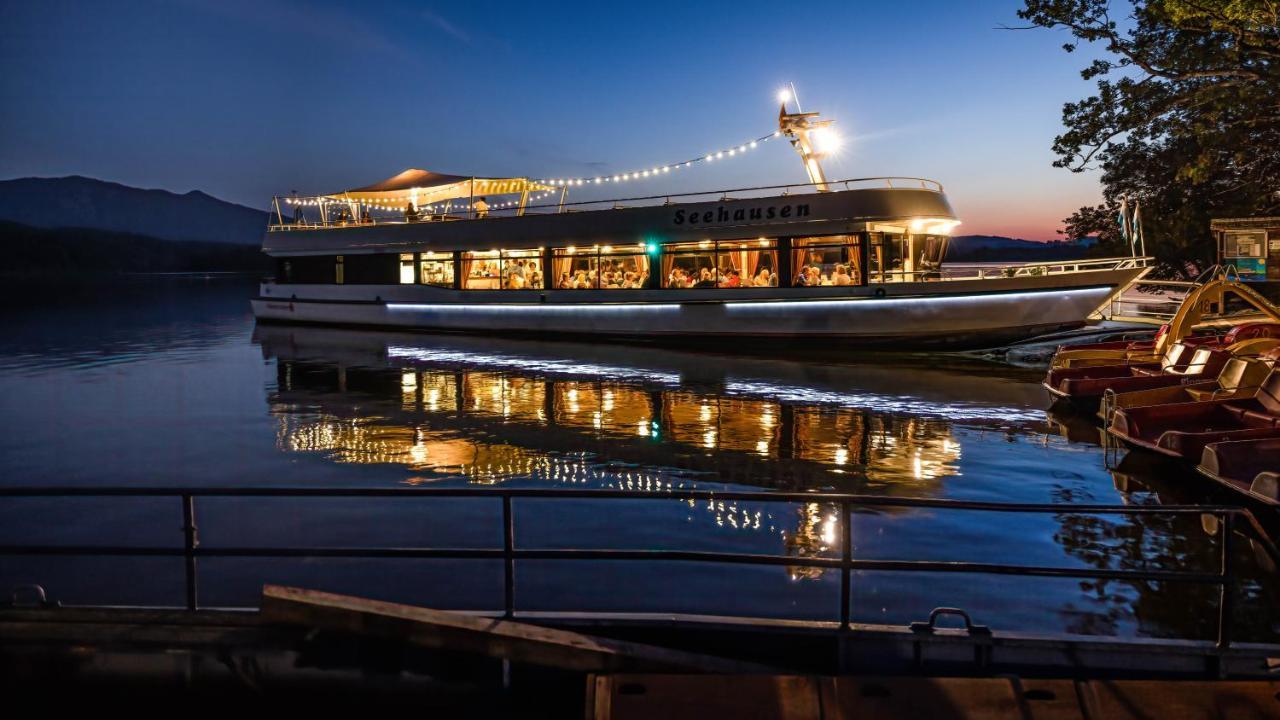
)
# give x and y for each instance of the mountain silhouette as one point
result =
(81, 202)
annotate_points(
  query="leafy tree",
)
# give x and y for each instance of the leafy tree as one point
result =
(1185, 119)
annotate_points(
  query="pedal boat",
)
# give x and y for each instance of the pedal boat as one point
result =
(1189, 318)
(1239, 378)
(1251, 467)
(1182, 430)
(1191, 359)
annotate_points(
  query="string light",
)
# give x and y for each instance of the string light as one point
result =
(653, 171)
(663, 169)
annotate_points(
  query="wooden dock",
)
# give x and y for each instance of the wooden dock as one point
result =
(314, 650)
(694, 697)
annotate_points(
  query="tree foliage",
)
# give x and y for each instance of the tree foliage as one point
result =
(1185, 119)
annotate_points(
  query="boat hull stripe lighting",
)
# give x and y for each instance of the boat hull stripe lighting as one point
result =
(746, 305)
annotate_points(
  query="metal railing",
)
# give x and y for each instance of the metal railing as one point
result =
(461, 210)
(192, 550)
(1037, 269)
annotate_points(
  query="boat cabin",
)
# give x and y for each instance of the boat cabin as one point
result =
(473, 233)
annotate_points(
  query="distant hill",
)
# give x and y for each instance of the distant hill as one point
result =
(993, 248)
(68, 252)
(81, 202)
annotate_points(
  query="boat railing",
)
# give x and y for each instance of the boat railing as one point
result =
(293, 212)
(1010, 270)
(1156, 302)
(196, 542)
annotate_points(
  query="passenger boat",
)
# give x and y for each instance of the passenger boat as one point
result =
(854, 262)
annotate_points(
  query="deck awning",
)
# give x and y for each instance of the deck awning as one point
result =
(423, 187)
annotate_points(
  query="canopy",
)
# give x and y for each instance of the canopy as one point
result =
(424, 187)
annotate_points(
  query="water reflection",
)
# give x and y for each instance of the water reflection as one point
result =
(172, 392)
(483, 411)
(488, 412)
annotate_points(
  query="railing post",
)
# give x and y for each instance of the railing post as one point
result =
(190, 542)
(846, 558)
(1225, 590)
(508, 557)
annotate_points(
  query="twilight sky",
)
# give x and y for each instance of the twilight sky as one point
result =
(247, 98)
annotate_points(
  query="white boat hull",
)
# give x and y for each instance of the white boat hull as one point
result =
(954, 314)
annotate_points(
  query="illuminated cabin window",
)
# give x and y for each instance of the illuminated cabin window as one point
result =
(522, 270)
(828, 260)
(576, 269)
(623, 267)
(406, 268)
(481, 270)
(903, 257)
(502, 270)
(741, 263)
(435, 268)
(604, 267)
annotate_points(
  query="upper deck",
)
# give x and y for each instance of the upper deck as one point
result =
(327, 224)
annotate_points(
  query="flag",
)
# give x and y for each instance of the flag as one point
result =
(1138, 241)
(1124, 221)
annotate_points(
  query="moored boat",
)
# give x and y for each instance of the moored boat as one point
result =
(1251, 467)
(1222, 300)
(857, 262)
(1191, 360)
(1184, 429)
(1239, 378)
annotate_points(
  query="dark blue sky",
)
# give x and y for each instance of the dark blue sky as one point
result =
(246, 98)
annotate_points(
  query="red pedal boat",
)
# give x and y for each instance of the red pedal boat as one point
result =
(1248, 466)
(1190, 360)
(1239, 379)
(1183, 429)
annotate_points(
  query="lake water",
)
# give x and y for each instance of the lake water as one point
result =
(168, 382)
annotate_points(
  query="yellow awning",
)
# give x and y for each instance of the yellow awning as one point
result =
(423, 187)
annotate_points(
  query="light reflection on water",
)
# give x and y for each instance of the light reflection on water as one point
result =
(175, 386)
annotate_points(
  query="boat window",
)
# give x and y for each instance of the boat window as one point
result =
(369, 269)
(748, 262)
(930, 249)
(575, 268)
(521, 269)
(339, 270)
(406, 268)
(317, 269)
(826, 260)
(435, 269)
(480, 270)
(623, 267)
(605, 267)
(889, 252)
(689, 265)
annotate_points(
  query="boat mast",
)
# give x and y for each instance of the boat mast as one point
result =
(806, 135)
